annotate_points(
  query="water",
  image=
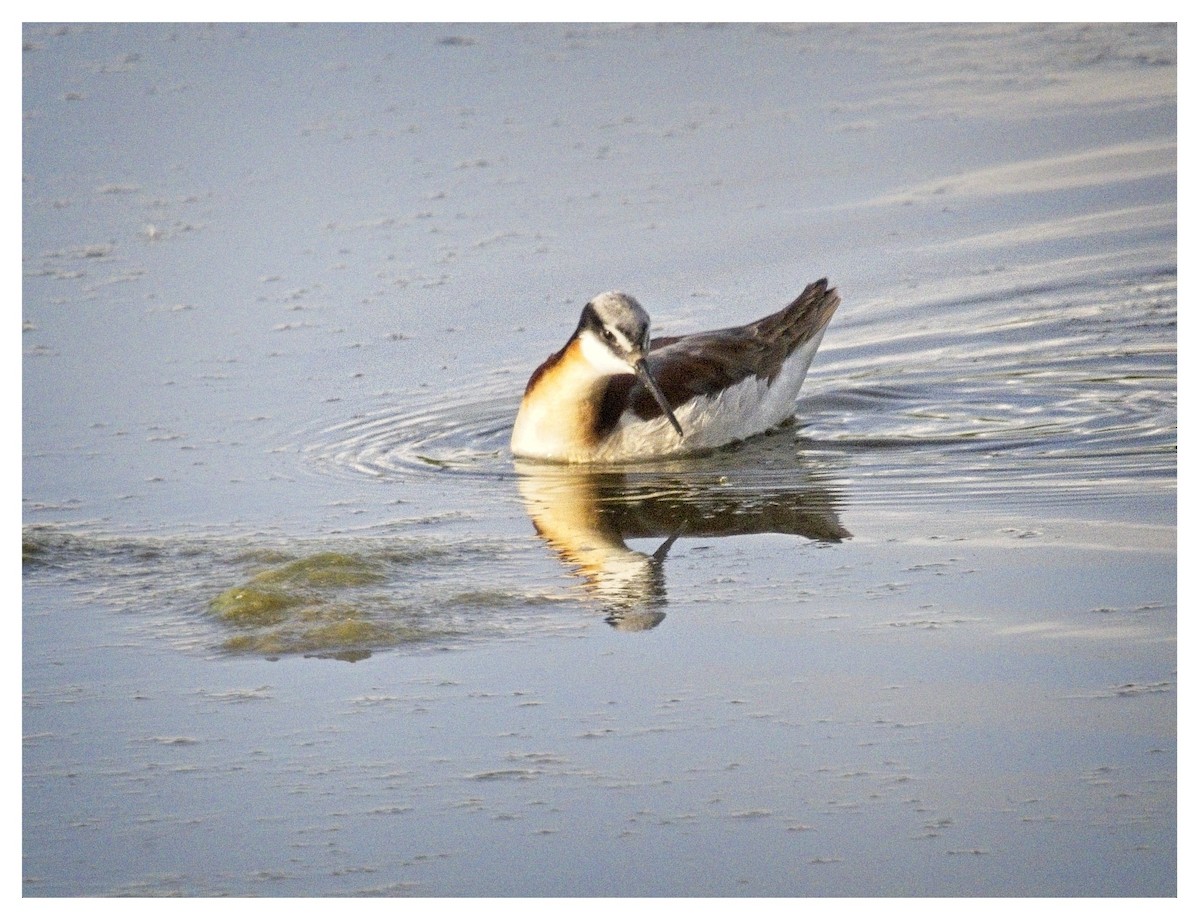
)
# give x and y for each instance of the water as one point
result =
(296, 623)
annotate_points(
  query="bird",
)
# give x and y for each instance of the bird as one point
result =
(613, 394)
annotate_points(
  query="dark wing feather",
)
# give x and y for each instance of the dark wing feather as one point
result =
(706, 363)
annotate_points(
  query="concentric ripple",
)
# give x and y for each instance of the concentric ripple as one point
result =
(463, 432)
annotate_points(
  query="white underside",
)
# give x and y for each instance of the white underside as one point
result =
(738, 412)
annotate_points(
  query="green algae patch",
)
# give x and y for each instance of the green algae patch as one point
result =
(325, 603)
(327, 569)
(333, 629)
(249, 606)
(347, 632)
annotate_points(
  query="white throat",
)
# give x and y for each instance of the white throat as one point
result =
(600, 356)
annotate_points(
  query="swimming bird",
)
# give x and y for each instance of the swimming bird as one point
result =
(614, 394)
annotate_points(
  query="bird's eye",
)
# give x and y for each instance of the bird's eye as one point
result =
(608, 335)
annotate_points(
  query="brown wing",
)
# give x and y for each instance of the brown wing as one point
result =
(707, 363)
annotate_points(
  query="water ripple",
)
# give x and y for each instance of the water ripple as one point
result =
(462, 432)
(1043, 394)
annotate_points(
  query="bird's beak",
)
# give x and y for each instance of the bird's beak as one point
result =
(643, 372)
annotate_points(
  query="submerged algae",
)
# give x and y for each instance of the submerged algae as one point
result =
(248, 606)
(335, 597)
(326, 629)
(328, 568)
(327, 603)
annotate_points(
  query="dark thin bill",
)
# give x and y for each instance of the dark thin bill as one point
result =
(643, 373)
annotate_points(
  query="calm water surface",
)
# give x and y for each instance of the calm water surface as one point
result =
(295, 621)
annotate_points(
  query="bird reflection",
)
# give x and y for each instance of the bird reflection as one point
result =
(586, 515)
